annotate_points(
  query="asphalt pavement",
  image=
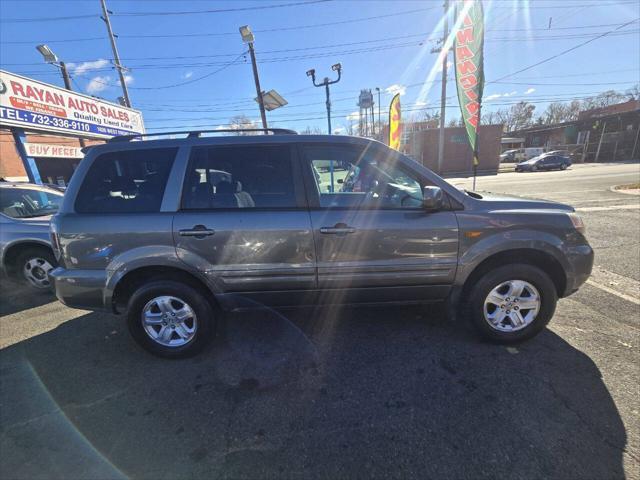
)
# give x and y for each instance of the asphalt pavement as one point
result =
(393, 392)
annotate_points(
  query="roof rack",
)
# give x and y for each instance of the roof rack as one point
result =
(197, 133)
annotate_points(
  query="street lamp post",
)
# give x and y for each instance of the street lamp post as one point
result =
(52, 59)
(248, 38)
(325, 83)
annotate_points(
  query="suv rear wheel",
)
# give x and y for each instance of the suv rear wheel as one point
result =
(171, 319)
(33, 266)
(512, 303)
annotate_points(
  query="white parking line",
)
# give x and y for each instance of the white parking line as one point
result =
(612, 207)
(624, 296)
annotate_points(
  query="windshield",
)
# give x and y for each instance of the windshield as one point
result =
(28, 203)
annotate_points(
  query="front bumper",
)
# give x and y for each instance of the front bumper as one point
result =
(82, 289)
(580, 258)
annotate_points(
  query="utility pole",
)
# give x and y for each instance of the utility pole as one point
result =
(116, 57)
(379, 122)
(248, 38)
(325, 83)
(443, 95)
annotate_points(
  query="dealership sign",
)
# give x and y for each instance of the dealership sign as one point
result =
(52, 151)
(38, 106)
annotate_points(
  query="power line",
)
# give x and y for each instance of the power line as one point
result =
(219, 10)
(575, 47)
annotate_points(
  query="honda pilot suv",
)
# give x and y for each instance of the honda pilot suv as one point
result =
(175, 231)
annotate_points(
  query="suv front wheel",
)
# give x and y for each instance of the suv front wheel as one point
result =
(512, 303)
(170, 319)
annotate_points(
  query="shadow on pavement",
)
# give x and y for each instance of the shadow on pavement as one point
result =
(16, 297)
(367, 392)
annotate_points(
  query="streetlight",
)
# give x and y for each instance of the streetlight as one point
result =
(52, 59)
(326, 82)
(248, 38)
(379, 122)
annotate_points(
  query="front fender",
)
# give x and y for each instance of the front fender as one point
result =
(472, 255)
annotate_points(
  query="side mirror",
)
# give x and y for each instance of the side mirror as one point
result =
(432, 198)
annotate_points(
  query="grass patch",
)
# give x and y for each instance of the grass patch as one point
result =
(630, 186)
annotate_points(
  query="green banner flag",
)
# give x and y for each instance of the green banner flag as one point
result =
(468, 57)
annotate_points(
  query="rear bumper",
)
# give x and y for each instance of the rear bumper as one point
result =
(82, 289)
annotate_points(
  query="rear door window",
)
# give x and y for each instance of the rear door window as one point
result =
(130, 181)
(239, 177)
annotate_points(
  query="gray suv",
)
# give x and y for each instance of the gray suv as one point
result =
(173, 231)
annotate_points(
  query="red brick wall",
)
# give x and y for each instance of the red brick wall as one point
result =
(458, 157)
(10, 162)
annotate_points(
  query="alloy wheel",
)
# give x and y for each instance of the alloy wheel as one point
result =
(36, 271)
(169, 321)
(512, 306)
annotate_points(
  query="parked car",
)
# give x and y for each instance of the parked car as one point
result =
(510, 156)
(144, 231)
(25, 247)
(544, 162)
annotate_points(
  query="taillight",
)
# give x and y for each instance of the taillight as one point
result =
(55, 241)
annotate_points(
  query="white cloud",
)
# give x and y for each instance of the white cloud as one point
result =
(499, 95)
(128, 80)
(530, 90)
(187, 75)
(339, 130)
(84, 67)
(420, 104)
(98, 84)
(395, 88)
(353, 116)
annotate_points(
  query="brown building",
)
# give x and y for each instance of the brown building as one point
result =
(56, 157)
(599, 135)
(458, 157)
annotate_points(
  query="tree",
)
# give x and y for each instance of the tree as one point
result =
(633, 93)
(558, 112)
(516, 117)
(604, 99)
(311, 131)
(240, 122)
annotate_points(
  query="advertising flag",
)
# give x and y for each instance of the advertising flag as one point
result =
(395, 129)
(468, 57)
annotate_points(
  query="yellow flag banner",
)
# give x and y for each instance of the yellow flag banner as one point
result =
(395, 129)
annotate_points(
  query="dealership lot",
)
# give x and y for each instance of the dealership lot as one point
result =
(343, 392)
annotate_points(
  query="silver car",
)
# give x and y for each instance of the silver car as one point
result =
(172, 231)
(25, 247)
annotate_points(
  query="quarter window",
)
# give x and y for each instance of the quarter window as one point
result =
(126, 182)
(239, 177)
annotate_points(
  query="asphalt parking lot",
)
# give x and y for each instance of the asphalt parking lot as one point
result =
(394, 392)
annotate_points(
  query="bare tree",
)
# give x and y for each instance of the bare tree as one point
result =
(516, 117)
(241, 122)
(633, 93)
(311, 130)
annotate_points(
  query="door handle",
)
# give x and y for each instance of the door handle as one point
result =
(338, 229)
(198, 231)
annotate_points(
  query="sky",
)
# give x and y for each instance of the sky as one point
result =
(188, 68)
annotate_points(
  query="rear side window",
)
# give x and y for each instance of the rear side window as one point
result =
(239, 177)
(131, 181)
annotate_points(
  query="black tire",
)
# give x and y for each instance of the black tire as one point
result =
(563, 166)
(534, 168)
(516, 271)
(27, 256)
(205, 314)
